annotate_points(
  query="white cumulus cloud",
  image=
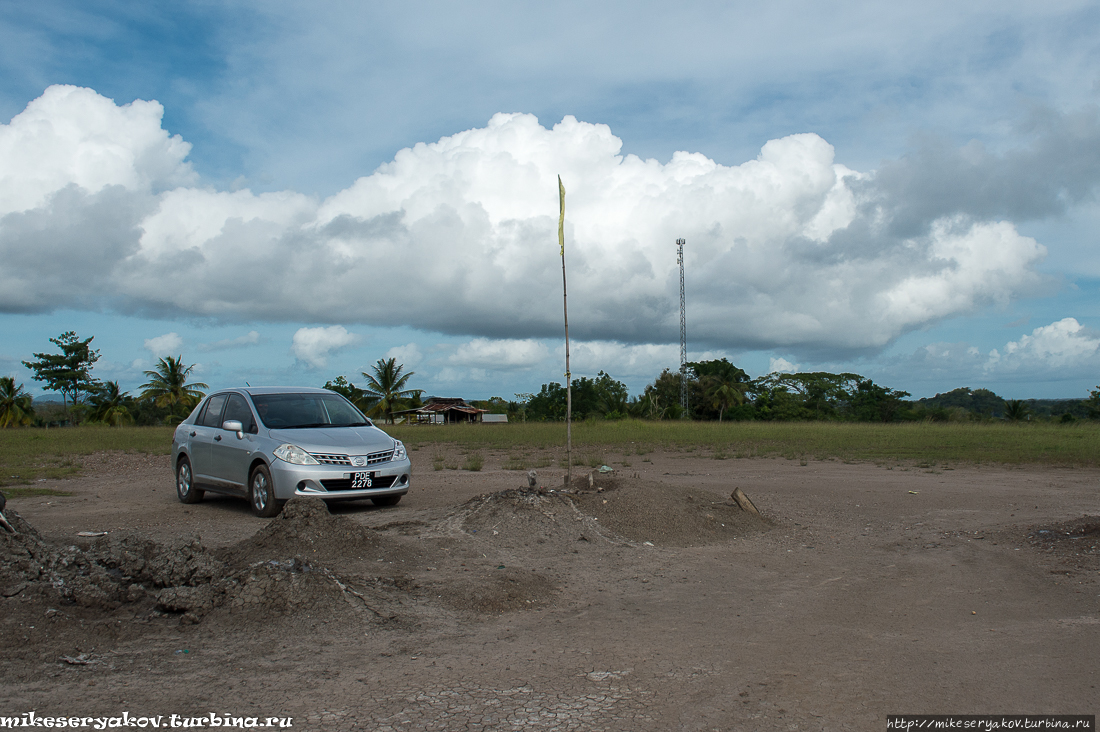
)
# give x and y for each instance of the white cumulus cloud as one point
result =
(500, 355)
(781, 366)
(1061, 345)
(623, 360)
(790, 250)
(1062, 350)
(73, 136)
(408, 355)
(169, 344)
(312, 346)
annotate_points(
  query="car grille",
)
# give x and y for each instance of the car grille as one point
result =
(344, 484)
(331, 459)
(372, 459)
(379, 457)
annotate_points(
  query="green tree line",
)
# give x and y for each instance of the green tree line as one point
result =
(716, 390)
(719, 390)
(166, 398)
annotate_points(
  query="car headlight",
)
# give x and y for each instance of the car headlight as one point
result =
(294, 455)
(398, 450)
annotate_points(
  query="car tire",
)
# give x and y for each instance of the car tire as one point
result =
(261, 493)
(185, 483)
(386, 500)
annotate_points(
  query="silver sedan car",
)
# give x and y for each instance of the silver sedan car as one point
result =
(269, 444)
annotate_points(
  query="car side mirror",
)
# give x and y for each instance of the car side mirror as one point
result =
(234, 425)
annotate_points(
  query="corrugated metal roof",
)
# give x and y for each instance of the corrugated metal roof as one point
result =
(436, 405)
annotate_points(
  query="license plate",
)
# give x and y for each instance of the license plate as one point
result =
(361, 480)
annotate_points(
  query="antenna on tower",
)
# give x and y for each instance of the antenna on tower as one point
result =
(683, 334)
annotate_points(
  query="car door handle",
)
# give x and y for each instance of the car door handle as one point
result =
(193, 434)
(217, 438)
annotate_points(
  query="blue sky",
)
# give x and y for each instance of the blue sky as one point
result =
(905, 191)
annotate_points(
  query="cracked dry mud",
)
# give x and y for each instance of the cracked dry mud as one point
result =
(652, 603)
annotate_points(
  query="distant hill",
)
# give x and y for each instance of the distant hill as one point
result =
(985, 402)
(979, 401)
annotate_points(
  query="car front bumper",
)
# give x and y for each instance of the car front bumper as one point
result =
(332, 482)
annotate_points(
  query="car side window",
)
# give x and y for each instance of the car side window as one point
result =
(238, 409)
(212, 417)
(202, 412)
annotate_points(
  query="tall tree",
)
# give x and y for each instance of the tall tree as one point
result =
(387, 387)
(348, 390)
(15, 404)
(168, 387)
(548, 404)
(871, 402)
(613, 397)
(109, 405)
(68, 372)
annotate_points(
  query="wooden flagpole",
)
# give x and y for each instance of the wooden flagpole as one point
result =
(568, 376)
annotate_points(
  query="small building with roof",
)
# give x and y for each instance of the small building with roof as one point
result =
(443, 410)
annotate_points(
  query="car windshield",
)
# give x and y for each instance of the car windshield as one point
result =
(298, 411)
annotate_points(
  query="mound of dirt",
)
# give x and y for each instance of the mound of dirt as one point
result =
(631, 509)
(306, 529)
(517, 518)
(138, 559)
(29, 566)
(272, 589)
(667, 515)
(188, 579)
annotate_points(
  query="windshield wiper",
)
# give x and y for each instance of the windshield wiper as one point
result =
(306, 426)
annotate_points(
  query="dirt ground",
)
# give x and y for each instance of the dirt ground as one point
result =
(655, 603)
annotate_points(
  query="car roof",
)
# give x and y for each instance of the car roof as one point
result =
(255, 390)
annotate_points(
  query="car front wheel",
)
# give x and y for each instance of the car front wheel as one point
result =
(185, 483)
(261, 493)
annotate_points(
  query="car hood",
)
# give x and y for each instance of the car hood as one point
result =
(353, 440)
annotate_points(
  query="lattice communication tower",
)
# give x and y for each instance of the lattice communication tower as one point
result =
(683, 333)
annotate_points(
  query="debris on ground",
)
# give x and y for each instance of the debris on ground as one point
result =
(1076, 542)
(743, 501)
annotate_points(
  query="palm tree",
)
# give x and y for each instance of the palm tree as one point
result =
(1016, 410)
(387, 387)
(724, 393)
(15, 403)
(109, 405)
(168, 387)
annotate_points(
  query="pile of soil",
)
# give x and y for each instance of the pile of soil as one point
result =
(271, 573)
(614, 509)
(666, 515)
(517, 518)
(306, 529)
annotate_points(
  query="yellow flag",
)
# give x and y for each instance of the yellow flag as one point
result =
(561, 216)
